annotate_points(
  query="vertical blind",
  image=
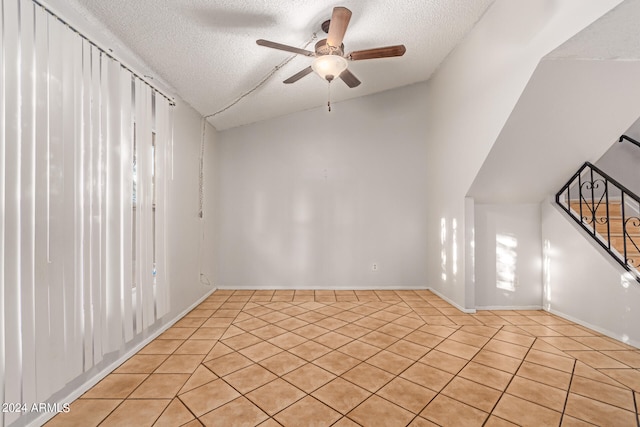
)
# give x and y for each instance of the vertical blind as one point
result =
(84, 159)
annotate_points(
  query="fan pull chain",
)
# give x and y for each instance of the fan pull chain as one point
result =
(329, 96)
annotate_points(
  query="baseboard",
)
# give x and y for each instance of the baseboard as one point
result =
(509, 307)
(603, 331)
(79, 391)
(453, 303)
(323, 288)
(355, 288)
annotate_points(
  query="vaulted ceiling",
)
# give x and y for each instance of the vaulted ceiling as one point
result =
(205, 51)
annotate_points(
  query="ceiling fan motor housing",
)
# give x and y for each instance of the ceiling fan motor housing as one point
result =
(322, 48)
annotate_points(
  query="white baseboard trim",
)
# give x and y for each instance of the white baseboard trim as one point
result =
(453, 303)
(79, 391)
(323, 288)
(354, 288)
(603, 331)
(509, 307)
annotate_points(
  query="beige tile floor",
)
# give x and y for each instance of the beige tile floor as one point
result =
(369, 358)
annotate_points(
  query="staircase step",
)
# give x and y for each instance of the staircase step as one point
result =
(615, 208)
(631, 240)
(615, 228)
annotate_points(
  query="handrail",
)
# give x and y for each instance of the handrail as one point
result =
(628, 138)
(589, 197)
(604, 175)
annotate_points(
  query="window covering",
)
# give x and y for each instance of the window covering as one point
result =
(82, 254)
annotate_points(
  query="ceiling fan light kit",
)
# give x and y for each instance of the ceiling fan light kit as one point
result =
(330, 61)
(328, 67)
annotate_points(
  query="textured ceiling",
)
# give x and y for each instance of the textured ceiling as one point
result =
(205, 52)
(614, 36)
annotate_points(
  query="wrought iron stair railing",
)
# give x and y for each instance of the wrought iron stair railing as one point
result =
(628, 138)
(608, 211)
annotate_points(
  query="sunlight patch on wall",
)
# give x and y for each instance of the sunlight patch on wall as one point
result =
(472, 246)
(443, 248)
(546, 273)
(626, 279)
(454, 247)
(506, 260)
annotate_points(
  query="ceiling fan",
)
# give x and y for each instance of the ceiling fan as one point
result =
(330, 61)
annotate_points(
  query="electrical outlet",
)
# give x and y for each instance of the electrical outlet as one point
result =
(374, 267)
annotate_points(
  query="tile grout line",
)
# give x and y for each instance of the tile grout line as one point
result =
(460, 370)
(312, 362)
(511, 380)
(386, 383)
(185, 405)
(282, 376)
(356, 339)
(360, 363)
(177, 396)
(635, 403)
(111, 412)
(245, 298)
(308, 339)
(566, 399)
(459, 327)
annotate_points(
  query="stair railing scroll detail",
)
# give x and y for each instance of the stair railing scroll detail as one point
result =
(592, 204)
(607, 211)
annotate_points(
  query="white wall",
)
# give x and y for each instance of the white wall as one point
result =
(313, 199)
(187, 249)
(634, 130)
(469, 100)
(622, 159)
(508, 242)
(570, 112)
(584, 284)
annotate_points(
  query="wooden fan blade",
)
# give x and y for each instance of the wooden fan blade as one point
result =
(338, 26)
(380, 52)
(348, 77)
(297, 76)
(284, 47)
